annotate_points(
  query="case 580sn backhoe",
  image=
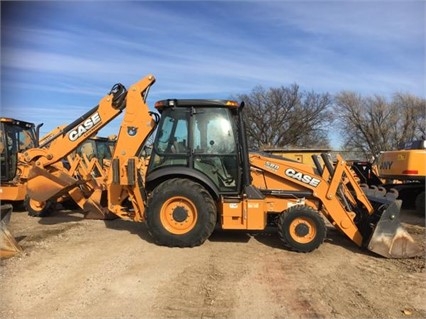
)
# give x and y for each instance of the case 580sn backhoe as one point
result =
(201, 173)
(16, 136)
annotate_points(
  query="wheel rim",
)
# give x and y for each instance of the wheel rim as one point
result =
(36, 205)
(178, 215)
(303, 230)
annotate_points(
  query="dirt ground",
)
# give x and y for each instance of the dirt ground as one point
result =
(76, 268)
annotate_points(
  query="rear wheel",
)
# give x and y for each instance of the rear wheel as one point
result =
(36, 208)
(420, 203)
(181, 213)
(301, 228)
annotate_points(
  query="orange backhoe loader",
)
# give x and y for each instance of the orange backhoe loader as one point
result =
(200, 174)
(16, 136)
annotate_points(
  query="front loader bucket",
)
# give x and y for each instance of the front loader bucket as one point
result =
(8, 245)
(390, 239)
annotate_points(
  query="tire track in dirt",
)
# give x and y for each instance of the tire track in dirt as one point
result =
(341, 281)
(285, 279)
(93, 269)
(77, 274)
(207, 286)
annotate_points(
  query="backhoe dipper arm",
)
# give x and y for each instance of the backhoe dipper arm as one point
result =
(126, 171)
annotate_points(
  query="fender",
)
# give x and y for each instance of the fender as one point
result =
(158, 175)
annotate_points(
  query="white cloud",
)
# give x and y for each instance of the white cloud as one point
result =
(208, 49)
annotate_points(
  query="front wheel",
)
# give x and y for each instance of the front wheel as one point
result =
(301, 228)
(36, 208)
(181, 213)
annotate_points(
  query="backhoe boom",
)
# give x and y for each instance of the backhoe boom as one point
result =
(49, 179)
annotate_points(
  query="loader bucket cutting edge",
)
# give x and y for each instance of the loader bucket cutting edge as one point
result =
(8, 245)
(390, 239)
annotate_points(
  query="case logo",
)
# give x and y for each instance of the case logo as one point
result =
(84, 127)
(304, 178)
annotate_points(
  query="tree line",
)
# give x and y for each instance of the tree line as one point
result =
(290, 117)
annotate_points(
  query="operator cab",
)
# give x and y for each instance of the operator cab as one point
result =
(100, 147)
(15, 136)
(413, 145)
(198, 138)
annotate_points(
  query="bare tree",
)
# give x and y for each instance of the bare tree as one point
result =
(415, 108)
(369, 125)
(285, 116)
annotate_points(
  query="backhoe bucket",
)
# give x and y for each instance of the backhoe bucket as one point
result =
(390, 239)
(8, 245)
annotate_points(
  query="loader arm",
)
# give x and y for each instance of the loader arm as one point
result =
(324, 190)
(366, 216)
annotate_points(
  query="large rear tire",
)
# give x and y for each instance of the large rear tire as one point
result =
(36, 208)
(420, 203)
(181, 213)
(301, 228)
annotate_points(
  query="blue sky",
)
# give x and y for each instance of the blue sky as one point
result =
(59, 58)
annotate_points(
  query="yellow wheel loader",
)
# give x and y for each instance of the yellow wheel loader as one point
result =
(200, 173)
